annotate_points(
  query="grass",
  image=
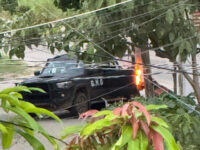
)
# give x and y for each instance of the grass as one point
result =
(8, 66)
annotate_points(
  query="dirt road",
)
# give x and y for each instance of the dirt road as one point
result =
(53, 127)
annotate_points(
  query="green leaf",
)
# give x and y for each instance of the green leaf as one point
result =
(11, 99)
(95, 4)
(169, 139)
(124, 138)
(3, 129)
(4, 105)
(26, 106)
(171, 37)
(52, 49)
(110, 2)
(96, 126)
(36, 89)
(7, 138)
(134, 145)
(15, 89)
(159, 121)
(143, 140)
(31, 122)
(155, 107)
(71, 130)
(160, 32)
(17, 95)
(30, 108)
(35, 143)
(181, 47)
(169, 16)
(188, 47)
(44, 112)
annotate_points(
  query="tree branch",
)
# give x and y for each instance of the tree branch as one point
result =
(190, 80)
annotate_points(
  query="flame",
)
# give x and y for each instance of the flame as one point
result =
(139, 80)
(138, 77)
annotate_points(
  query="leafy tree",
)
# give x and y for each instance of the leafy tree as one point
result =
(9, 5)
(68, 4)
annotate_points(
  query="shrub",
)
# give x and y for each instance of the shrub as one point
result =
(128, 127)
(183, 122)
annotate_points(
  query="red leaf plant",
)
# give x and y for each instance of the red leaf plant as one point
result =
(123, 128)
(87, 114)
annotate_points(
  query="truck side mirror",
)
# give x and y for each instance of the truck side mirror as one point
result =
(37, 73)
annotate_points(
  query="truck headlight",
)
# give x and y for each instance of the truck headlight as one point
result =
(64, 84)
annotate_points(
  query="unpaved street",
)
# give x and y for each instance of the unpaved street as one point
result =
(52, 127)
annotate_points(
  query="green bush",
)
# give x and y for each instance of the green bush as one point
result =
(125, 128)
(183, 122)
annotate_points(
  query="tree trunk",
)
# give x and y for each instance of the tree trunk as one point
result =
(180, 79)
(175, 78)
(194, 70)
(195, 86)
(149, 88)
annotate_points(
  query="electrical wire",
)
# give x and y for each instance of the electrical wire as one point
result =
(133, 17)
(91, 40)
(67, 18)
(139, 15)
(138, 26)
(154, 66)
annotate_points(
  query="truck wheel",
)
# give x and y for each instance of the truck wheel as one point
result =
(81, 104)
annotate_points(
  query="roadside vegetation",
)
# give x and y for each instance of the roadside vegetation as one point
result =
(161, 123)
(183, 122)
(10, 69)
(125, 127)
(128, 127)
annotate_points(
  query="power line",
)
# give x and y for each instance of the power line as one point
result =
(149, 65)
(107, 13)
(132, 17)
(139, 15)
(68, 18)
(88, 38)
(137, 26)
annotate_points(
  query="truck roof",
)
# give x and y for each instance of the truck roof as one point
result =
(63, 57)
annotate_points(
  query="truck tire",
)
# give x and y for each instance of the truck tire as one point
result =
(81, 104)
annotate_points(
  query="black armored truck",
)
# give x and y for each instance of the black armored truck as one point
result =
(71, 84)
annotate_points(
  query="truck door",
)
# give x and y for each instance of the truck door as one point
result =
(95, 81)
(115, 78)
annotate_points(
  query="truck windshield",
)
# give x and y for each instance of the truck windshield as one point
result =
(52, 68)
